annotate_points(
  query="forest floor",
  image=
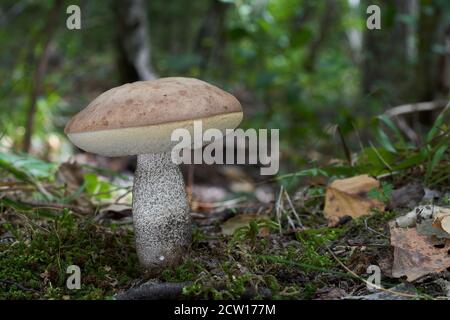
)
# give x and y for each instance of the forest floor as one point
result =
(248, 246)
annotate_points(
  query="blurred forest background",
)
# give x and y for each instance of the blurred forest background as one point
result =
(296, 65)
(347, 100)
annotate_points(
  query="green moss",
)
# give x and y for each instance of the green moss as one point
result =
(313, 241)
(35, 265)
(187, 271)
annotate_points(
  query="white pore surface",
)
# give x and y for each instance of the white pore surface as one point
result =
(145, 140)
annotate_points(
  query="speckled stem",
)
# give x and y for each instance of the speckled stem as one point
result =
(161, 217)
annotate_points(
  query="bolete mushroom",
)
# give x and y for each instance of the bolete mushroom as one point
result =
(138, 119)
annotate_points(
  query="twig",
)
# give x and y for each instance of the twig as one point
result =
(58, 206)
(367, 282)
(154, 291)
(18, 285)
(373, 230)
(415, 107)
(226, 204)
(288, 198)
(278, 208)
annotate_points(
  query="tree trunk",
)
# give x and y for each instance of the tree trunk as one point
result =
(133, 41)
(329, 18)
(210, 41)
(39, 73)
(427, 73)
(386, 71)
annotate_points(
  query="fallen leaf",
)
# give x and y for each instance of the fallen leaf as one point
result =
(241, 220)
(416, 255)
(349, 197)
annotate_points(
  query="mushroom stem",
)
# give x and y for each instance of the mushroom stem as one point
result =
(161, 219)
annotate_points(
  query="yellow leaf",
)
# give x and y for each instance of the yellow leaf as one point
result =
(348, 197)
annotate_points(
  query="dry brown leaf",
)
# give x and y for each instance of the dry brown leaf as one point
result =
(416, 255)
(348, 197)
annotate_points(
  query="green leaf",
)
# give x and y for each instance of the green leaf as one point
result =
(24, 166)
(383, 194)
(375, 161)
(437, 156)
(97, 188)
(412, 160)
(385, 142)
(437, 124)
(391, 125)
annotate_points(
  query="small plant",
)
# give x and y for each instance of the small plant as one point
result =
(383, 194)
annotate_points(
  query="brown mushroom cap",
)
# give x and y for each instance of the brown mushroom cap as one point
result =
(139, 117)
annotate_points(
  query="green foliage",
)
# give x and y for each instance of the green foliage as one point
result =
(295, 68)
(187, 271)
(383, 194)
(312, 241)
(96, 187)
(26, 167)
(251, 231)
(396, 156)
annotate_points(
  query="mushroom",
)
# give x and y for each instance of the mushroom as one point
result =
(138, 119)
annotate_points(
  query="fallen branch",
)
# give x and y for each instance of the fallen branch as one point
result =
(415, 107)
(172, 291)
(154, 291)
(18, 285)
(398, 112)
(58, 206)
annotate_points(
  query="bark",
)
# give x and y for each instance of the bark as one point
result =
(443, 85)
